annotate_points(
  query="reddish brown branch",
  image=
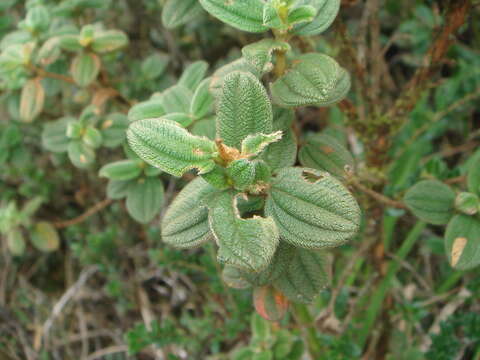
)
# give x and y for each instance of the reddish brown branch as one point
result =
(79, 219)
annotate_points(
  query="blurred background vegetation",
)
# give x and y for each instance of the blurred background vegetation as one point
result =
(107, 288)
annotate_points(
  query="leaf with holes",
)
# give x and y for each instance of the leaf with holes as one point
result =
(327, 11)
(176, 13)
(145, 199)
(314, 79)
(243, 109)
(312, 209)
(248, 244)
(255, 144)
(246, 15)
(164, 144)
(462, 242)
(185, 224)
(324, 152)
(431, 201)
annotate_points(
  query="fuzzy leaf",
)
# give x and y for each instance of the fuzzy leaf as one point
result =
(113, 130)
(193, 75)
(176, 13)
(255, 144)
(462, 242)
(176, 99)
(301, 14)
(164, 144)
(108, 41)
(85, 68)
(92, 137)
(270, 303)
(54, 135)
(431, 201)
(246, 15)
(260, 54)
(244, 243)
(324, 152)
(145, 199)
(121, 170)
(202, 101)
(312, 209)
(247, 174)
(218, 77)
(45, 237)
(32, 100)
(327, 11)
(118, 189)
(185, 224)
(306, 274)
(80, 154)
(150, 109)
(314, 79)
(234, 278)
(244, 109)
(473, 177)
(218, 178)
(204, 127)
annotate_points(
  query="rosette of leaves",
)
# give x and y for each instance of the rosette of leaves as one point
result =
(16, 224)
(437, 203)
(80, 138)
(271, 223)
(139, 183)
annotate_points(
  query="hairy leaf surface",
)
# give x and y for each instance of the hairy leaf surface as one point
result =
(462, 242)
(180, 12)
(327, 11)
(145, 199)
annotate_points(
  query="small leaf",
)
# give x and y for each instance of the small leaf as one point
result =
(182, 119)
(118, 189)
(473, 177)
(16, 242)
(270, 303)
(113, 130)
(462, 242)
(202, 101)
(70, 42)
(45, 237)
(251, 175)
(312, 209)
(301, 14)
(218, 76)
(38, 19)
(122, 170)
(164, 144)
(154, 65)
(244, 243)
(54, 135)
(246, 15)
(185, 223)
(180, 12)
(145, 199)
(467, 203)
(255, 144)
(85, 68)
(204, 127)
(92, 137)
(108, 41)
(260, 328)
(314, 79)
(176, 99)
(431, 201)
(234, 278)
(32, 100)
(307, 273)
(150, 109)
(80, 154)
(218, 178)
(260, 54)
(324, 152)
(327, 11)
(244, 109)
(193, 75)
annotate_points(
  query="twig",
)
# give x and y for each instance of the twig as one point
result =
(93, 210)
(100, 354)
(377, 196)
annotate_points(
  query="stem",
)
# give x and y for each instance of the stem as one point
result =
(306, 321)
(280, 64)
(377, 196)
(375, 302)
(93, 210)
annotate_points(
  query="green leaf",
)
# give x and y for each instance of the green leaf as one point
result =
(75, 130)
(122, 170)
(185, 223)
(218, 178)
(327, 11)
(314, 79)
(467, 203)
(202, 102)
(150, 109)
(473, 177)
(180, 12)
(243, 354)
(108, 41)
(38, 19)
(246, 15)
(218, 76)
(234, 278)
(282, 153)
(270, 303)
(252, 175)
(260, 54)
(118, 189)
(176, 99)
(45, 237)
(85, 68)
(462, 242)
(54, 135)
(244, 243)
(263, 355)
(312, 209)
(324, 152)
(145, 199)
(16, 242)
(32, 100)
(255, 144)
(70, 42)
(193, 75)
(92, 137)
(307, 273)
(431, 201)
(205, 127)
(260, 329)
(182, 119)
(80, 154)
(302, 14)
(166, 145)
(113, 130)
(154, 65)
(244, 109)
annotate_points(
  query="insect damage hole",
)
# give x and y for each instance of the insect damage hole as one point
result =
(457, 249)
(311, 177)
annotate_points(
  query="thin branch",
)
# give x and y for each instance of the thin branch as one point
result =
(377, 196)
(79, 219)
